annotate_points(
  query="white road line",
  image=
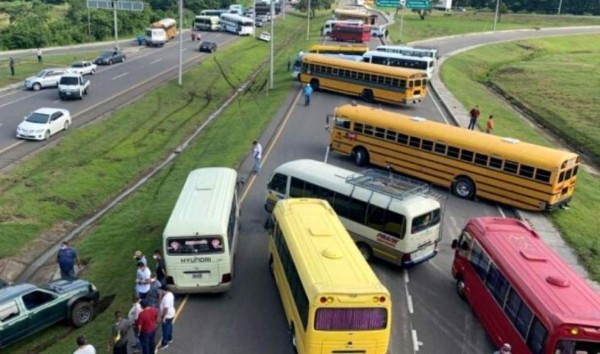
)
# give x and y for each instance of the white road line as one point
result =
(156, 61)
(405, 274)
(14, 101)
(500, 210)
(56, 101)
(11, 146)
(440, 110)
(415, 341)
(326, 154)
(409, 301)
(118, 76)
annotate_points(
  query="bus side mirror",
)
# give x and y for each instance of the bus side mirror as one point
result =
(464, 246)
(454, 244)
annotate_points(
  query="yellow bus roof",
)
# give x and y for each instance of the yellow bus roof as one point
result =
(326, 258)
(383, 70)
(339, 47)
(493, 145)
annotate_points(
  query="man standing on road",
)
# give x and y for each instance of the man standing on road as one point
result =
(307, 92)
(11, 63)
(118, 334)
(142, 282)
(167, 311)
(474, 114)
(66, 258)
(161, 270)
(146, 327)
(39, 55)
(257, 155)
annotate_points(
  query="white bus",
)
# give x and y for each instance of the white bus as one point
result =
(410, 51)
(328, 27)
(388, 216)
(201, 236)
(426, 64)
(207, 23)
(217, 13)
(237, 24)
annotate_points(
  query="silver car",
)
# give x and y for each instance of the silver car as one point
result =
(45, 78)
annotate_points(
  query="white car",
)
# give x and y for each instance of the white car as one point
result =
(45, 78)
(265, 36)
(43, 123)
(83, 68)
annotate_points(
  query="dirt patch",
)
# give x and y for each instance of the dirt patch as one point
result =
(510, 70)
(526, 46)
(10, 268)
(60, 201)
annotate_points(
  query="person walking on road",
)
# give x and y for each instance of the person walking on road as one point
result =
(11, 64)
(66, 259)
(39, 55)
(146, 327)
(83, 347)
(490, 125)
(307, 92)
(474, 114)
(161, 270)
(257, 155)
(117, 341)
(167, 311)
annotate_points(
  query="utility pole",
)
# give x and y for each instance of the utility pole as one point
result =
(89, 26)
(496, 14)
(180, 80)
(559, 6)
(254, 21)
(271, 84)
(114, 5)
(308, 22)
(115, 25)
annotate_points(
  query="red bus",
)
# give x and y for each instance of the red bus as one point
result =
(522, 292)
(351, 33)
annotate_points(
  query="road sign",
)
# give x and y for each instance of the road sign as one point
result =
(418, 4)
(388, 3)
(120, 5)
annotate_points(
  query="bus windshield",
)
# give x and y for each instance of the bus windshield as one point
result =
(350, 319)
(577, 347)
(194, 245)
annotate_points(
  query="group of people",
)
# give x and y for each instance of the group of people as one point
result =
(11, 61)
(474, 115)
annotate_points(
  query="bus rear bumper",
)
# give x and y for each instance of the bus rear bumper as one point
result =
(412, 263)
(559, 204)
(220, 288)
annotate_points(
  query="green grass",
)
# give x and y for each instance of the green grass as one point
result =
(28, 66)
(522, 64)
(446, 24)
(111, 159)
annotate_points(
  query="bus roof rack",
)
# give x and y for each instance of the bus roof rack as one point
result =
(387, 183)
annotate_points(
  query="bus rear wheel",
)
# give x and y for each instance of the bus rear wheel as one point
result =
(361, 156)
(460, 289)
(271, 266)
(314, 83)
(463, 188)
(365, 250)
(367, 96)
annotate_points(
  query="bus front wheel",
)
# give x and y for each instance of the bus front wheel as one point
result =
(314, 83)
(460, 289)
(463, 188)
(271, 265)
(365, 250)
(361, 156)
(367, 96)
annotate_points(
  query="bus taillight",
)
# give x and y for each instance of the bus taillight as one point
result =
(226, 278)
(382, 299)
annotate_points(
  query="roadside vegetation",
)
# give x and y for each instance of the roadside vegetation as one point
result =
(452, 23)
(89, 166)
(564, 94)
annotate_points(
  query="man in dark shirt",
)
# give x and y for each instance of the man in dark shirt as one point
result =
(66, 258)
(118, 334)
(146, 327)
(161, 270)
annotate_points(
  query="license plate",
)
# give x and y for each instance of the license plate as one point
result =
(197, 275)
(421, 253)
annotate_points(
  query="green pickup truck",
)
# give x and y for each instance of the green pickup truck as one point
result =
(26, 308)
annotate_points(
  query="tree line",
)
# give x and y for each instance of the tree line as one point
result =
(575, 7)
(32, 25)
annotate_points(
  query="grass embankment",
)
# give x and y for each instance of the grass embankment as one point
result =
(28, 66)
(107, 155)
(572, 105)
(446, 24)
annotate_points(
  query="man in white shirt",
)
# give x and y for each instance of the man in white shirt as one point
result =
(83, 347)
(167, 314)
(142, 282)
(257, 155)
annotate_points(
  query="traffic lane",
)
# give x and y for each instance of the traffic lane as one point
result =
(450, 44)
(106, 84)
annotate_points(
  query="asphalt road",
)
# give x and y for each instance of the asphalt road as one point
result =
(428, 315)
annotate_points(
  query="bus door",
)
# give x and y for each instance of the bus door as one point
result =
(276, 190)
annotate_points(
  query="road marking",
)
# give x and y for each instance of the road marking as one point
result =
(500, 210)
(11, 146)
(15, 101)
(156, 61)
(405, 274)
(118, 76)
(56, 101)
(409, 301)
(415, 341)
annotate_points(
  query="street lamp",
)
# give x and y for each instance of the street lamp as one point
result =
(271, 84)
(180, 80)
(308, 22)
(496, 14)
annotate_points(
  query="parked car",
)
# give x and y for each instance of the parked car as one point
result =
(83, 68)
(208, 46)
(265, 36)
(43, 123)
(45, 78)
(110, 57)
(26, 309)
(259, 22)
(73, 85)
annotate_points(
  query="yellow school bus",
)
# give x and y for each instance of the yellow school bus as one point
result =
(332, 300)
(371, 82)
(339, 49)
(468, 162)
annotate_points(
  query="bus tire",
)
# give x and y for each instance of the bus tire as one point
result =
(365, 250)
(314, 83)
(463, 187)
(293, 337)
(367, 96)
(361, 156)
(460, 289)
(271, 270)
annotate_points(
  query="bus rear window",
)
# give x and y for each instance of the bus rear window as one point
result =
(425, 221)
(194, 245)
(350, 319)
(577, 347)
